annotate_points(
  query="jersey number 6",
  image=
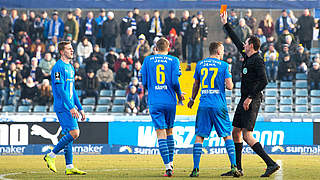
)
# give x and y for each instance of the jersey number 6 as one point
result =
(204, 73)
(161, 77)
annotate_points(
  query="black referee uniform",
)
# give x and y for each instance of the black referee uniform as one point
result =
(253, 81)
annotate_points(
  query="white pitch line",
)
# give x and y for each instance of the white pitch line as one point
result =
(279, 173)
(2, 176)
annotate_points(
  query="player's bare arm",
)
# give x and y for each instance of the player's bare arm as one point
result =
(195, 90)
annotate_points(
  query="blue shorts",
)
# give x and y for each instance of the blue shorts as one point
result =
(207, 117)
(162, 116)
(67, 122)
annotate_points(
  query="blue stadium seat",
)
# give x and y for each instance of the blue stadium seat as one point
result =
(315, 109)
(285, 101)
(271, 93)
(301, 76)
(301, 109)
(271, 85)
(301, 84)
(228, 93)
(314, 50)
(237, 92)
(104, 101)
(301, 101)
(87, 108)
(102, 108)
(8, 108)
(315, 93)
(286, 108)
(119, 101)
(285, 84)
(24, 108)
(237, 100)
(106, 93)
(286, 92)
(315, 101)
(120, 93)
(238, 85)
(270, 109)
(229, 100)
(40, 109)
(89, 101)
(270, 101)
(117, 109)
(302, 92)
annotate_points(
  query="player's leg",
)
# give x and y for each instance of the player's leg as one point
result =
(257, 148)
(170, 115)
(238, 144)
(197, 151)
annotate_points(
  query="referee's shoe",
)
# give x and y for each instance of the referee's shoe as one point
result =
(270, 170)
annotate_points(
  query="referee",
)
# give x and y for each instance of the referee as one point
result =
(253, 81)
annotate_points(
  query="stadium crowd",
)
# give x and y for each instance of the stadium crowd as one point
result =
(29, 50)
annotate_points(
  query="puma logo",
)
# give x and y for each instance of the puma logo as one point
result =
(37, 130)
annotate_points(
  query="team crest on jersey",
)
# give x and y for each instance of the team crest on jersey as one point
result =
(245, 71)
(57, 75)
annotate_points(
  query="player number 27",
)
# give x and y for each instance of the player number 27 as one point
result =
(161, 76)
(204, 73)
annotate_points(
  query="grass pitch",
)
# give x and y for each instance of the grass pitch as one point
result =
(151, 167)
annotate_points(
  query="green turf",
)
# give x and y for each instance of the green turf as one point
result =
(151, 167)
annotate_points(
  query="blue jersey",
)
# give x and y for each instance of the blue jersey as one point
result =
(212, 73)
(64, 93)
(160, 75)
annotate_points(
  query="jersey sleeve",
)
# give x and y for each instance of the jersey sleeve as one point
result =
(227, 72)
(175, 76)
(196, 75)
(58, 74)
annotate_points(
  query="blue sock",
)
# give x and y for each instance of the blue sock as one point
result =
(68, 153)
(231, 151)
(163, 148)
(170, 143)
(197, 150)
(62, 143)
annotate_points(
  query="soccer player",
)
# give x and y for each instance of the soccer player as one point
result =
(213, 74)
(160, 75)
(66, 105)
(253, 81)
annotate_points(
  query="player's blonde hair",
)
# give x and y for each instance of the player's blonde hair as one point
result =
(62, 45)
(163, 44)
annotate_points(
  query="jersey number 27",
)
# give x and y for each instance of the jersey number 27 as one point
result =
(205, 72)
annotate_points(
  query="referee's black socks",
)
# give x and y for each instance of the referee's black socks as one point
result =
(257, 148)
(238, 147)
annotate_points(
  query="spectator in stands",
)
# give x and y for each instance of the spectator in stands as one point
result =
(95, 60)
(132, 101)
(80, 20)
(144, 107)
(5, 25)
(287, 68)
(203, 32)
(242, 30)
(250, 21)
(24, 42)
(100, 20)
(154, 46)
(314, 76)
(194, 38)
(55, 27)
(156, 25)
(267, 25)
(128, 42)
(284, 22)
(79, 75)
(123, 76)
(38, 53)
(34, 71)
(305, 27)
(2, 78)
(90, 86)
(128, 22)
(7, 55)
(141, 50)
(233, 19)
(122, 58)
(12, 43)
(53, 51)
(36, 29)
(46, 65)
(139, 86)
(171, 22)
(110, 31)
(175, 46)
(32, 17)
(89, 28)
(271, 59)
(12, 84)
(71, 26)
(284, 51)
(13, 17)
(136, 71)
(45, 22)
(282, 37)
(287, 39)
(84, 50)
(143, 27)
(260, 35)
(294, 21)
(21, 26)
(136, 15)
(302, 60)
(111, 57)
(230, 50)
(105, 77)
(35, 45)
(185, 21)
(23, 57)
(236, 69)
(29, 92)
(45, 93)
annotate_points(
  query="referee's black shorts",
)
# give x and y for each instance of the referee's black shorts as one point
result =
(247, 119)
